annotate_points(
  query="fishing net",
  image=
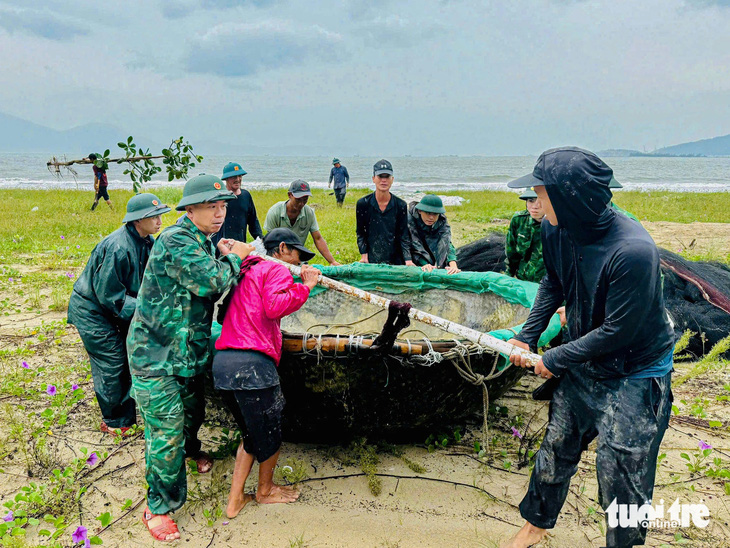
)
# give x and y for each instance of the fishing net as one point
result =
(697, 296)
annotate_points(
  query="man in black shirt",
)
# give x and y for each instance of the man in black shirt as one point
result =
(382, 222)
(241, 212)
(612, 381)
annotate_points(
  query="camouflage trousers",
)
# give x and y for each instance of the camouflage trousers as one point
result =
(173, 409)
(629, 417)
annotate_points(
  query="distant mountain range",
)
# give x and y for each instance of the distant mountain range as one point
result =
(18, 135)
(717, 146)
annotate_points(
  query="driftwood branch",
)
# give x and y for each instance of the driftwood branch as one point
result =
(57, 163)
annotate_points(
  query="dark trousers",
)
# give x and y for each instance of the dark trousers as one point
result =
(107, 351)
(629, 416)
(340, 194)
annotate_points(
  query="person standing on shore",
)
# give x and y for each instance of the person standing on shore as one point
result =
(249, 351)
(168, 344)
(523, 246)
(100, 181)
(297, 216)
(382, 222)
(614, 376)
(103, 302)
(241, 212)
(431, 246)
(342, 181)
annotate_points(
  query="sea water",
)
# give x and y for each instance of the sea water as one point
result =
(412, 174)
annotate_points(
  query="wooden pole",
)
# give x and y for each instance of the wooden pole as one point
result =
(477, 337)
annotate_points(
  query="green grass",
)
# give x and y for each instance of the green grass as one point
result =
(63, 220)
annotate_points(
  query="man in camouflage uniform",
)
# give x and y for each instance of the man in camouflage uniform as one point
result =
(168, 343)
(102, 305)
(523, 246)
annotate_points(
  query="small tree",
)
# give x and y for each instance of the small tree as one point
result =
(178, 158)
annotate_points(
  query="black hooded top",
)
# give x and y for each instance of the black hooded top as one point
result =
(604, 266)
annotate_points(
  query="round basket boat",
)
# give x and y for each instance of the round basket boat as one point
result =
(336, 386)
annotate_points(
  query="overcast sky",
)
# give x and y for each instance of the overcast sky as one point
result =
(374, 76)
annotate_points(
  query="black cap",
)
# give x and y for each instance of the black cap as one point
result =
(287, 236)
(566, 157)
(382, 166)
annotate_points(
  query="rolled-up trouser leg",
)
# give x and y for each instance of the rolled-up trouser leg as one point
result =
(193, 398)
(160, 402)
(570, 429)
(630, 434)
(110, 370)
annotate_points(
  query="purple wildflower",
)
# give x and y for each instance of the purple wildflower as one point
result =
(87, 543)
(79, 534)
(51, 390)
(25, 365)
(10, 279)
(78, 246)
(74, 387)
(70, 275)
(63, 238)
(8, 516)
(704, 445)
(516, 433)
(92, 460)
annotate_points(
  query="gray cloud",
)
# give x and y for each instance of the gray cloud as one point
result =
(182, 8)
(235, 50)
(708, 3)
(40, 23)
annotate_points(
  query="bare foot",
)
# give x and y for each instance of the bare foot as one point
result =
(235, 506)
(278, 493)
(528, 536)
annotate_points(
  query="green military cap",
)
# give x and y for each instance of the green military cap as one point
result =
(144, 205)
(204, 188)
(528, 194)
(335, 161)
(232, 169)
(613, 183)
(431, 203)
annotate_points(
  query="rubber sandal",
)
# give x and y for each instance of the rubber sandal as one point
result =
(159, 526)
(204, 462)
(111, 430)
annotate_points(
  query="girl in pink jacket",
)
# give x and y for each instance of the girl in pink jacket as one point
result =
(249, 350)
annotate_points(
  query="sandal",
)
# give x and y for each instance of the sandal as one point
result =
(106, 429)
(204, 462)
(160, 526)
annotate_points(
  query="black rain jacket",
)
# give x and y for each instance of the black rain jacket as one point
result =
(605, 267)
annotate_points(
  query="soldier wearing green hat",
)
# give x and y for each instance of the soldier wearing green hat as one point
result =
(523, 247)
(241, 212)
(168, 343)
(342, 180)
(103, 301)
(431, 245)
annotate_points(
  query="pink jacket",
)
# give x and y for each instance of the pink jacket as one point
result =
(266, 294)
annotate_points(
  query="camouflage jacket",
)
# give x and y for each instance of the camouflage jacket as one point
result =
(171, 326)
(523, 248)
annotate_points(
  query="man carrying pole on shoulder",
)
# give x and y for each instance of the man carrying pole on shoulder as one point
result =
(168, 343)
(612, 380)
